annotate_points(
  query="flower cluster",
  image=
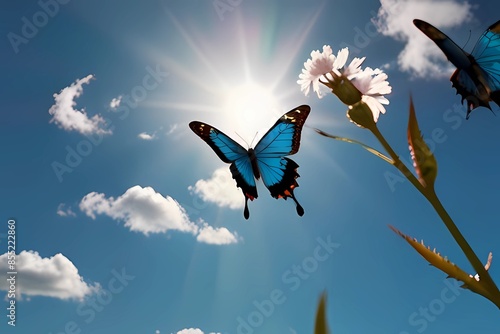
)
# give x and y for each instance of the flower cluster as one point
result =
(357, 88)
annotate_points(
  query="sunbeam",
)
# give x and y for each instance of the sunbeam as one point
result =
(239, 86)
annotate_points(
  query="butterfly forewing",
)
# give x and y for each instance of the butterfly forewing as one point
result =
(226, 149)
(455, 54)
(229, 151)
(284, 136)
(487, 55)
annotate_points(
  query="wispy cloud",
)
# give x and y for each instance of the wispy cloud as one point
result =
(147, 136)
(146, 211)
(115, 102)
(55, 277)
(61, 211)
(420, 56)
(68, 118)
(220, 189)
(172, 129)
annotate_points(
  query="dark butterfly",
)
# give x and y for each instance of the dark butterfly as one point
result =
(477, 78)
(267, 159)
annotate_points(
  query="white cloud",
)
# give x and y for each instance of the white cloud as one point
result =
(61, 211)
(193, 331)
(142, 209)
(115, 102)
(146, 136)
(216, 236)
(190, 331)
(219, 189)
(146, 211)
(420, 56)
(68, 118)
(55, 277)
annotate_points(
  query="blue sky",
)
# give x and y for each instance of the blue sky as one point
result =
(127, 222)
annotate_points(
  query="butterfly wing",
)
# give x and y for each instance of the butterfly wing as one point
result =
(278, 173)
(231, 152)
(455, 54)
(486, 52)
(471, 80)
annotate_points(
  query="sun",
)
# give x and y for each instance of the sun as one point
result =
(233, 81)
(249, 109)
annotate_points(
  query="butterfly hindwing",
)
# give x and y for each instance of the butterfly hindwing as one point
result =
(229, 151)
(477, 78)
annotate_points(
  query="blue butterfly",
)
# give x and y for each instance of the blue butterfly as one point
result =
(477, 77)
(267, 159)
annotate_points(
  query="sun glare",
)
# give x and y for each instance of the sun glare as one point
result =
(251, 109)
(244, 109)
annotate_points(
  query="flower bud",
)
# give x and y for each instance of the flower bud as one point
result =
(345, 90)
(361, 115)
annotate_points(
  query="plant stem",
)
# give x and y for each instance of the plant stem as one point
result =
(431, 196)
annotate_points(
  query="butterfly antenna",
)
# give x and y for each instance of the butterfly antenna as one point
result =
(468, 39)
(253, 138)
(242, 139)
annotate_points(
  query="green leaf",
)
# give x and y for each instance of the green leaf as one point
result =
(451, 269)
(423, 160)
(321, 325)
(352, 141)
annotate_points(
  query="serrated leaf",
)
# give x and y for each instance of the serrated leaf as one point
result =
(321, 324)
(423, 160)
(442, 263)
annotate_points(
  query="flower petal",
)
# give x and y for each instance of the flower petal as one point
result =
(371, 84)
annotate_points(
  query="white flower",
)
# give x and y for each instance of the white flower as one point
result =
(351, 84)
(325, 64)
(314, 68)
(373, 85)
(354, 68)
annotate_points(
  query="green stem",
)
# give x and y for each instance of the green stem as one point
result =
(431, 196)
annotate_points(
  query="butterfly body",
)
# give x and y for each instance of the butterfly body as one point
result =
(477, 77)
(253, 161)
(267, 160)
